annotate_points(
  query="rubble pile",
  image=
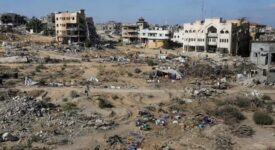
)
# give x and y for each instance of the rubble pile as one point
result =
(243, 131)
(28, 117)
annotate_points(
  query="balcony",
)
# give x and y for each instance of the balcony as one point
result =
(212, 34)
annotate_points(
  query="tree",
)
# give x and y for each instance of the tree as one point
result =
(168, 44)
(35, 24)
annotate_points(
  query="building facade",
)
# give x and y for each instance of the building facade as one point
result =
(215, 35)
(210, 35)
(178, 36)
(154, 38)
(71, 27)
(263, 56)
(130, 32)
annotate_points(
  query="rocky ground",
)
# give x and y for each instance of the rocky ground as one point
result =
(118, 99)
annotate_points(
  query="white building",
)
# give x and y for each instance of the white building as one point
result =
(154, 38)
(178, 36)
(263, 55)
(210, 35)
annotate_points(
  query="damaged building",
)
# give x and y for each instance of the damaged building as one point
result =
(215, 35)
(74, 27)
(263, 55)
(10, 20)
(154, 37)
(130, 32)
(49, 24)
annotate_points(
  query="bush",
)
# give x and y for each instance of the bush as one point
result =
(151, 62)
(40, 67)
(266, 97)
(137, 70)
(69, 106)
(74, 94)
(42, 82)
(230, 114)
(11, 83)
(168, 44)
(243, 102)
(262, 118)
(115, 97)
(104, 104)
(130, 74)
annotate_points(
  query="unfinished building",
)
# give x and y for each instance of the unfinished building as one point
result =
(263, 55)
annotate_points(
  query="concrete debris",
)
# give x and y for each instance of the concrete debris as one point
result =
(115, 140)
(14, 59)
(8, 137)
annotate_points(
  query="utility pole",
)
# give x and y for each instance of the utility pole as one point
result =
(202, 9)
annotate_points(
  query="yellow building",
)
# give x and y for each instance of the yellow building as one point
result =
(71, 27)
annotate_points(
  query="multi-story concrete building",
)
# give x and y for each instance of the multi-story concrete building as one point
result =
(154, 38)
(209, 35)
(130, 32)
(178, 36)
(214, 35)
(71, 27)
(263, 55)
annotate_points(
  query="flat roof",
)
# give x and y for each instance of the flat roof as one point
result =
(262, 41)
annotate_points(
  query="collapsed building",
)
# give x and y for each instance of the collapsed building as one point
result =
(49, 24)
(269, 35)
(74, 27)
(214, 35)
(10, 20)
(263, 55)
(110, 31)
(256, 30)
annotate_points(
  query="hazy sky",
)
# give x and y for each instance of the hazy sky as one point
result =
(154, 11)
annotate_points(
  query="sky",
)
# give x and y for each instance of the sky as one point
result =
(154, 11)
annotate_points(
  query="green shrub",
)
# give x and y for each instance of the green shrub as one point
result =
(115, 97)
(74, 94)
(11, 83)
(151, 62)
(69, 106)
(266, 97)
(230, 114)
(262, 118)
(104, 104)
(40, 67)
(130, 74)
(65, 99)
(243, 102)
